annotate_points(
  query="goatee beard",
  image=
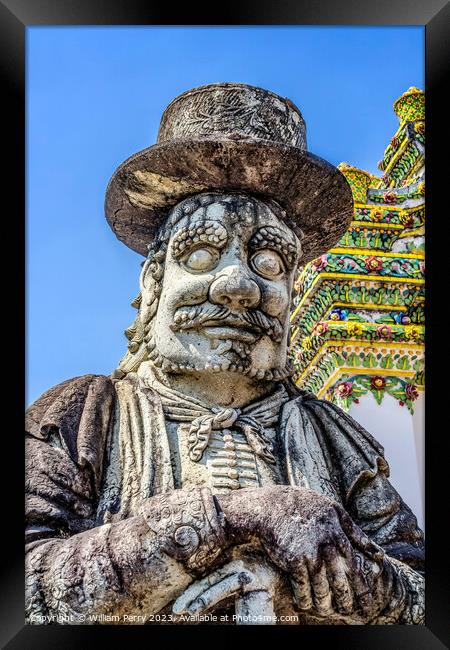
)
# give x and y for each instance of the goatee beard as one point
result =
(242, 366)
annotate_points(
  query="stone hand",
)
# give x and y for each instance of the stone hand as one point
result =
(239, 578)
(333, 566)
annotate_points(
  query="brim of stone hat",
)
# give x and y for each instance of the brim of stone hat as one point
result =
(314, 193)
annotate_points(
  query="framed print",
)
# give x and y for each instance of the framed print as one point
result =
(253, 451)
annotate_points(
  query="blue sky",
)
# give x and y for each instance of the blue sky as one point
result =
(95, 96)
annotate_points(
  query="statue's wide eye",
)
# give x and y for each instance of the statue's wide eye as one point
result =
(267, 263)
(202, 259)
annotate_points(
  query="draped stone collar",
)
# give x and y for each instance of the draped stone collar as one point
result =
(251, 420)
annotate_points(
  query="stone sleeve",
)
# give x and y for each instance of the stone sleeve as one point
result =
(78, 571)
(188, 525)
(382, 514)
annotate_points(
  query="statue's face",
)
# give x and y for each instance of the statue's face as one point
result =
(227, 286)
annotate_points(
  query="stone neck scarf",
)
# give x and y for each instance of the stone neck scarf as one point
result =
(250, 420)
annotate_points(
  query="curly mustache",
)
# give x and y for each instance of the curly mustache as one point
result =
(202, 315)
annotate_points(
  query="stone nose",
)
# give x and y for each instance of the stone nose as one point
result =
(235, 290)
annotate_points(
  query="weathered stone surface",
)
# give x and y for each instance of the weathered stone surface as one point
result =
(198, 479)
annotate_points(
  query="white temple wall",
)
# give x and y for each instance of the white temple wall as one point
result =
(402, 436)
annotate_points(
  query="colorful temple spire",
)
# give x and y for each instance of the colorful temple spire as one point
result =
(358, 322)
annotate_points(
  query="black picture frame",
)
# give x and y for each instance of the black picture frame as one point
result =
(15, 17)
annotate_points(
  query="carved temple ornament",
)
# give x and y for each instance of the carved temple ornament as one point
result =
(198, 480)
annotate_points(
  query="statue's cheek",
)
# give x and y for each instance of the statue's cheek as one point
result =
(275, 299)
(184, 288)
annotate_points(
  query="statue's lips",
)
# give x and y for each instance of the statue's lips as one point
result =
(231, 329)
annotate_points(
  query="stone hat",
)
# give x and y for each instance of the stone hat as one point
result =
(231, 137)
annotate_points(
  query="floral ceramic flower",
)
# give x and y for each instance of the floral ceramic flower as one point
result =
(344, 389)
(389, 197)
(378, 383)
(376, 214)
(402, 318)
(422, 267)
(384, 331)
(421, 189)
(373, 264)
(394, 141)
(307, 343)
(406, 219)
(419, 127)
(320, 329)
(339, 314)
(354, 329)
(411, 392)
(412, 333)
(320, 263)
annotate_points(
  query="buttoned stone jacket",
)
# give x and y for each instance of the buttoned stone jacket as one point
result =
(133, 544)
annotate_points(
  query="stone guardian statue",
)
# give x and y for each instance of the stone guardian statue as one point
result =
(198, 479)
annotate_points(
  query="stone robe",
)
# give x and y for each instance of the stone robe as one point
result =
(97, 544)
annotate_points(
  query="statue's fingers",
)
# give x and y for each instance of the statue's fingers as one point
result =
(229, 586)
(358, 538)
(363, 595)
(338, 580)
(195, 590)
(321, 592)
(344, 547)
(302, 588)
(361, 589)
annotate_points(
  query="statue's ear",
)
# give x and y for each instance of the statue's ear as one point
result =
(150, 281)
(146, 277)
